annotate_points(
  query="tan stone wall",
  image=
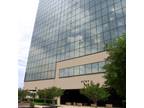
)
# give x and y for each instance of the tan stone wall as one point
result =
(71, 82)
(65, 83)
(82, 60)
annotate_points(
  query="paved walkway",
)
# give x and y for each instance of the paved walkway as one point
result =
(26, 105)
(70, 106)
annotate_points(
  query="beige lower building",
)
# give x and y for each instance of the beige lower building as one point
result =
(75, 81)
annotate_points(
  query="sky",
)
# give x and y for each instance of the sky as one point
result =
(27, 15)
(17, 19)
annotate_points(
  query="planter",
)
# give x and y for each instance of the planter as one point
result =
(93, 105)
(108, 105)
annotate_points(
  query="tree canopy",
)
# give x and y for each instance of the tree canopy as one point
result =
(115, 67)
(94, 92)
(22, 94)
(50, 93)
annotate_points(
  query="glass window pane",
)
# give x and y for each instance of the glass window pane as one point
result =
(99, 29)
(88, 49)
(120, 22)
(101, 64)
(76, 70)
(106, 36)
(49, 74)
(88, 68)
(117, 5)
(42, 75)
(46, 75)
(94, 48)
(66, 72)
(53, 74)
(94, 67)
(76, 52)
(101, 46)
(119, 13)
(82, 69)
(63, 72)
(71, 71)
(106, 27)
(60, 73)
(82, 51)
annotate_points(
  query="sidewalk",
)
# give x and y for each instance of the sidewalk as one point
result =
(26, 105)
(21, 105)
(70, 106)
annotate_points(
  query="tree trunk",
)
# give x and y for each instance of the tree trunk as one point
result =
(95, 102)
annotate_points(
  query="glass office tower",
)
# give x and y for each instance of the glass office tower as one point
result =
(71, 29)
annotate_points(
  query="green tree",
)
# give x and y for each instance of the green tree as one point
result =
(115, 67)
(54, 92)
(41, 93)
(50, 93)
(22, 94)
(94, 92)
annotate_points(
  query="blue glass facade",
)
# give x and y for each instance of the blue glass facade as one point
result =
(66, 29)
(82, 69)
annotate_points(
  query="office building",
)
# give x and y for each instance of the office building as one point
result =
(68, 43)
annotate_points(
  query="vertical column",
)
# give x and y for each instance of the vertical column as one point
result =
(58, 100)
